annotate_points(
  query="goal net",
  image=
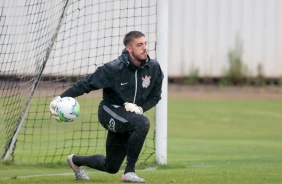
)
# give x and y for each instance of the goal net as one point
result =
(45, 46)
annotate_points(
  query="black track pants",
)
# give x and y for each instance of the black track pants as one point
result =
(126, 134)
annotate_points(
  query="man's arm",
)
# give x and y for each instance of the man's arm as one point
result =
(97, 80)
(155, 95)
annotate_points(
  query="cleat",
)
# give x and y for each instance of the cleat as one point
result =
(132, 178)
(79, 172)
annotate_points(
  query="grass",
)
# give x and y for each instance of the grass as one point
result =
(209, 141)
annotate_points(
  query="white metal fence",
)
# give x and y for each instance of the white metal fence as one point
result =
(202, 32)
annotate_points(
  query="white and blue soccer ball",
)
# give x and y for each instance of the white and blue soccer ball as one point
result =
(68, 109)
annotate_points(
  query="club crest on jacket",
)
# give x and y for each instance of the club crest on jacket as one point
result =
(146, 81)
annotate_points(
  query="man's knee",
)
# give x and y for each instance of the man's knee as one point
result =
(112, 170)
(145, 125)
(112, 166)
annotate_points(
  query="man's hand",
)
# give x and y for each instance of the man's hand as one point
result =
(133, 108)
(53, 106)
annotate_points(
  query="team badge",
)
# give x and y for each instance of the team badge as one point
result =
(111, 125)
(146, 81)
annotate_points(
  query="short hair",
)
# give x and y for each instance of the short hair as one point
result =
(130, 36)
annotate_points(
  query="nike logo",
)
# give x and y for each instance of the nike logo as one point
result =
(123, 83)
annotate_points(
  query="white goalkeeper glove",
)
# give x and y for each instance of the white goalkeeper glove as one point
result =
(53, 106)
(133, 108)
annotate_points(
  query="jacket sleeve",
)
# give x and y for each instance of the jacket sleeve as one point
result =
(97, 80)
(155, 95)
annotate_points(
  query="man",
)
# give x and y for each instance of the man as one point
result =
(131, 85)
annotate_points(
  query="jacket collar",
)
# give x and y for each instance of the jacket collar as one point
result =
(126, 59)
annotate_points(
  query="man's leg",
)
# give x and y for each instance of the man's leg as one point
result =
(138, 132)
(126, 136)
(116, 146)
(136, 125)
(117, 119)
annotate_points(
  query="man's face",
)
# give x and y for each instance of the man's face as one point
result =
(138, 49)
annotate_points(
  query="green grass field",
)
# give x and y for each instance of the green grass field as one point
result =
(209, 141)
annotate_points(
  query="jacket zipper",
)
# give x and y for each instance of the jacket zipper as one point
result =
(135, 86)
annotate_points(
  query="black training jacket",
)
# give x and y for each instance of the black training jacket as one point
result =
(122, 81)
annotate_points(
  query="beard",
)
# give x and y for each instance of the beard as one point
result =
(140, 58)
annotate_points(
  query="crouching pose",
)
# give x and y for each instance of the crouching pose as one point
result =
(131, 85)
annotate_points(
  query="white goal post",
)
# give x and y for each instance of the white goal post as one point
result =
(162, 57)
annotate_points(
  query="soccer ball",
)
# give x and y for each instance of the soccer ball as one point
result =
(68, 109)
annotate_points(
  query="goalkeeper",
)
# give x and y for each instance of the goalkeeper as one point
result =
(131, 85)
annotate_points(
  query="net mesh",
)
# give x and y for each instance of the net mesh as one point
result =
(45, 46)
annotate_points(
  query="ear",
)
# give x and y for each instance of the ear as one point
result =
(128, 48)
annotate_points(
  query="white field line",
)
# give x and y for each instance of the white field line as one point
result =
(62, 174)
(42, 175)
(147, 169)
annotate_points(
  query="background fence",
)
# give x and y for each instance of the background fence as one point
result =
(203, 32)
(201, 35)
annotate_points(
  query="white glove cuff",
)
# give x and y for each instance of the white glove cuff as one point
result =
(140, 110)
